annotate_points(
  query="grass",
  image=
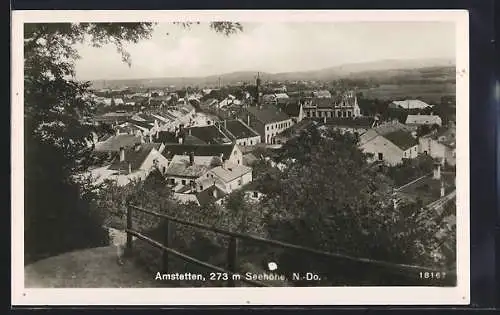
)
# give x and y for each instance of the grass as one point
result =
(429, 92)
(90, 268)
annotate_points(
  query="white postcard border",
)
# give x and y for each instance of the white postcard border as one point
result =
(245, 296)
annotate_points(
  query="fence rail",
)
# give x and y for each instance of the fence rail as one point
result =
(410, 270)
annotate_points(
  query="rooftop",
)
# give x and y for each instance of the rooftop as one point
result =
(423, 119)
(172, 149)
(239, 129)
(134, 156)
(209, 195)
(267, 115)
(402, 139)
(184, 169)
(411, 104)
(230, 172)
(360, 122)
(209, 134)
(114, 143)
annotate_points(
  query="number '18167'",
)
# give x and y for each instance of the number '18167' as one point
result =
(429, 275)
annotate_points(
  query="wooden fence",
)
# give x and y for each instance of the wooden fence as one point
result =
(232, 250)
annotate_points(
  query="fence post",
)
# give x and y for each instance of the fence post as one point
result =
(129, 227)
(232, 259)
(167, 242)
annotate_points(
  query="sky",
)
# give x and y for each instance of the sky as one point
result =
(269, 47)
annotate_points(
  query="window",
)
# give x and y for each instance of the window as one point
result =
(239, 182)
(380, 156)
(238, 162)
(201, 187)
(172, 181)
(255, 194)
(208, 175)
(267, 128)
(183, 182)
(164, 170)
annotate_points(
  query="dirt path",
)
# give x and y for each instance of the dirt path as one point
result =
(90, 268)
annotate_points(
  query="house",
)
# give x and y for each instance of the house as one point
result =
(231, 176)
(440, 145)
(239, 132)
(183, 171)
(322, 94)
(423, 120)
(267, 121)
(206, 193)
(409, 105)
(269, 99)
(115, 143)
(357, 125)
(226, 152)
(212, 134)
(281, 98)
(132, 163)
(344, 105)
(390, 145)
(208, 104)
(294, 109)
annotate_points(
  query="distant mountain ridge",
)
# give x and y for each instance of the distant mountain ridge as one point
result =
(330, 73)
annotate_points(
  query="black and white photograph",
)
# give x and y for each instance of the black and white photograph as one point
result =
(237, 157)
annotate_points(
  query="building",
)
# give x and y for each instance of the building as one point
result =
(132, 163)
(231, 176)
(390, 145)
(267, 121)
(226, 152)
(440, 145)
(184, 170)
(423, 120)
(239, 132)
(322, 94)
(213, 134)
(115, 143)
(342, 106)
(357, 125)
(294, 109)
(409, 105)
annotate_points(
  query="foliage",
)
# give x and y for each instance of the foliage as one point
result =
(315, 206)
(57, 131)
(410, 169)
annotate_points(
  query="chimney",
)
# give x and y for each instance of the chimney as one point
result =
(442, 189)
(142, 138)
(137, 147)
(214, 193)
(181, 140)
(117, 132)
(437, 171)
(189, 131)
(248, 120)
(225, 124)
(129, 168)
(122, 154)
(191, 158)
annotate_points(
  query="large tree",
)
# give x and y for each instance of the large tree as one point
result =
(56, 132)
(330, 199)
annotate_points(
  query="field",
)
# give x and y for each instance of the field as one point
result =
(431, 93)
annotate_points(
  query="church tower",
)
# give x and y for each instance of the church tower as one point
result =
(257, 83)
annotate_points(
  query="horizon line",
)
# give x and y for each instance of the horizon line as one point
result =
(450, 60)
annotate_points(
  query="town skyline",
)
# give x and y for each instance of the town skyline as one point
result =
(267, 47)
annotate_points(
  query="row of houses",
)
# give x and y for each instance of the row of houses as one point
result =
(195, 172)
(393, 142)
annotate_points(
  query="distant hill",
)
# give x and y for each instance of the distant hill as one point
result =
(357, 70)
